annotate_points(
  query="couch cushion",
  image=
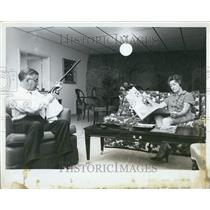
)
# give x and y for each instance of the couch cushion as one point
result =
(18, 139)
(14, 157)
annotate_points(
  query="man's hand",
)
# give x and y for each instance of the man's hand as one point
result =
(56, 89)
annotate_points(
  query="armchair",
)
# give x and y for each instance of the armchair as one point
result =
(48, 158)
(80, 103)
(97, 105)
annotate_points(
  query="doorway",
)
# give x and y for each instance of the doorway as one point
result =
(41, 64)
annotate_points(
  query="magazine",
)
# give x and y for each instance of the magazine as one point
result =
(168, 129)
(142, 109)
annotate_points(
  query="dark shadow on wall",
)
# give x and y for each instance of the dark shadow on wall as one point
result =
(148, 70)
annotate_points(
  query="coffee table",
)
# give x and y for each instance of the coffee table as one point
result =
(182, 135)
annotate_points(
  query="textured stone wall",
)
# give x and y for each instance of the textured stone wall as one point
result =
(149, 70)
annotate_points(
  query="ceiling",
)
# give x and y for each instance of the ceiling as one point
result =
(107, 40)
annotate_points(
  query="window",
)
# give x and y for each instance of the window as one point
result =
(71, 77)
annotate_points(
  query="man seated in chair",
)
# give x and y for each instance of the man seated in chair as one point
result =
(28, 108)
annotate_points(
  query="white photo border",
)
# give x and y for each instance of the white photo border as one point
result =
(56, 179)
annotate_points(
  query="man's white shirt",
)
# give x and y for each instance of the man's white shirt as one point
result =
(25, 102)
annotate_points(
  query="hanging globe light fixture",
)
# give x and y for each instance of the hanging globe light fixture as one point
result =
(126, 49)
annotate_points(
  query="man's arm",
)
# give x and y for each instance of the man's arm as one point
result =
(30, 105)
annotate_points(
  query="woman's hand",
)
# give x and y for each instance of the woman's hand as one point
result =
(174, 114)
(146, 100)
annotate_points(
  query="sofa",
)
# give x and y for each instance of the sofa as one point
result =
(48, 160)
(129, 116)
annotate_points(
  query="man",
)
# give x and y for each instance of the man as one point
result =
(29, 116)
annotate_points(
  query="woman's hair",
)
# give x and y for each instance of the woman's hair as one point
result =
(177, 78)
(23, 73)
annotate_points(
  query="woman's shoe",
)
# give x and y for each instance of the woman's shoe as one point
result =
(163, 153)
(161, 159)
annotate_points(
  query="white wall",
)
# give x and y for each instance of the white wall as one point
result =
(37, 64)
(17, 40)
(23, 62)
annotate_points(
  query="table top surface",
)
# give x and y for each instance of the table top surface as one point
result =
(180, 131)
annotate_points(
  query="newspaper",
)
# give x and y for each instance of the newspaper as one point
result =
(136, 101)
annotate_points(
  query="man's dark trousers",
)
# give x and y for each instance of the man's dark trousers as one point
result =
(34, 127)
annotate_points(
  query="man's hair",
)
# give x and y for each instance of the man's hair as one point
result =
(23, 73)
(175, 77)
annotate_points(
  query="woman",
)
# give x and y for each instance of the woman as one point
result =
(180, 105)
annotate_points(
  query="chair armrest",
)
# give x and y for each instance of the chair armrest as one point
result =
(9, 126)
(72, 129)
(65, 114)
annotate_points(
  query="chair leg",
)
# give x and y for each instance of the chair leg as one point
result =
(107, 110)
(77, 114)
(88, 115)
(94, 117)
(84, 114)
(97, 116)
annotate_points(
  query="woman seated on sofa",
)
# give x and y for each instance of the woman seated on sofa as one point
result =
(180, 105)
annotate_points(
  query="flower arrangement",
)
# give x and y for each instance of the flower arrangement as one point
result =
(201, 122)
(200, 125)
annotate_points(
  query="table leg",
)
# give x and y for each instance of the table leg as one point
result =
(87, 144)
(94, 117)
(102, 145)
